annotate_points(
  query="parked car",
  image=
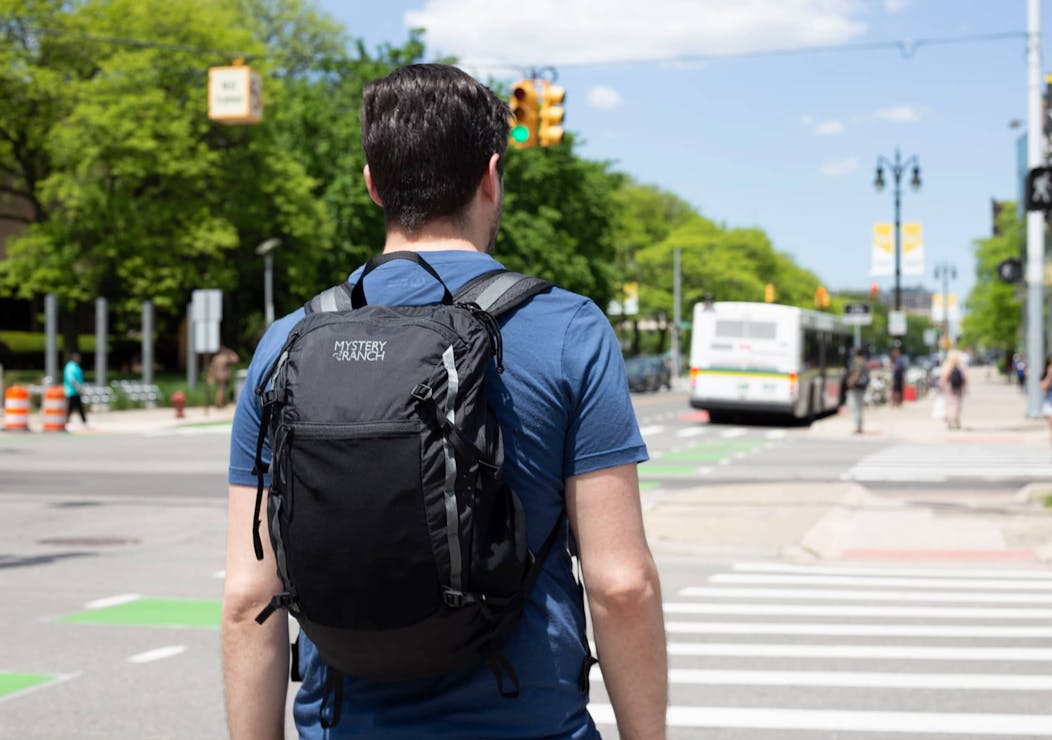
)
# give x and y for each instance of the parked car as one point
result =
(648, 373)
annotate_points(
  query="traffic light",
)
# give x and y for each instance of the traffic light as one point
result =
(874, 291)
(523, 133)
(821, 297)
(768, 293)
(552, 113)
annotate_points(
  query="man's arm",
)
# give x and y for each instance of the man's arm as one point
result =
(624, 597)
(255, 657)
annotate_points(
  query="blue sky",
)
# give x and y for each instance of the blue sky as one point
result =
(786, 143)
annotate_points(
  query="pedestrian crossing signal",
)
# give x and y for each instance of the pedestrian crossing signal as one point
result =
(523, 132)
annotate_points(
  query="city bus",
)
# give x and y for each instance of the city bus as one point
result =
(765, 360)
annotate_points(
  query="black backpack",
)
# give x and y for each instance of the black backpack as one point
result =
(401, 549)
(956, 378)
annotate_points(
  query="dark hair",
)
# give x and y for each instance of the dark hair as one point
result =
(429, 131)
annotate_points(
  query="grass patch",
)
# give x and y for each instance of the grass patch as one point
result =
(1047, 501)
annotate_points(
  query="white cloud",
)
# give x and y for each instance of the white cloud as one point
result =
(828, 128)
(491, 32)
(807, 119)
(898, 114)
(896, 6)
(604, 97)
(839, 167)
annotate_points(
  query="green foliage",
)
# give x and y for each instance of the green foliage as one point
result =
(995, 308)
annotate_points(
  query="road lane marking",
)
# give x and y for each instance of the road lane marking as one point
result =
(157, 654)
(732, 433)
(112, 601)
(830, 610)
(922, 572)
(801, 594)
(651, 430)
(776, 434)
(859, 679)
(153, 613)
(1017, 632)
(819, 580)
(14, 684)
(911, 723)
(860, 652)
(691, 432)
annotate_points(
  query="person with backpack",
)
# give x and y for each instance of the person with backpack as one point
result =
(857, 382)
(415, 457)
(952, 381)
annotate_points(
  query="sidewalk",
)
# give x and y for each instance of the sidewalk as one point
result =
(140, 420)
(843, 520)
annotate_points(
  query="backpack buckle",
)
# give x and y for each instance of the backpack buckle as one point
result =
(422, 392)
(456, 599)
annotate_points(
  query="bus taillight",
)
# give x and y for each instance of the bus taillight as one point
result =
(693, 376)
(792, 383)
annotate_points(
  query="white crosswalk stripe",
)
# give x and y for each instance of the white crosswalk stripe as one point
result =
(943, 462)
(858, 653)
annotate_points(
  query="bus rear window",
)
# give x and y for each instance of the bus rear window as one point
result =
(734, 329)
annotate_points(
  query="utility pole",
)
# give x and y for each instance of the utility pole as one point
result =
(676, 311)
(947, 272)
(1035, 220)
(897, 168)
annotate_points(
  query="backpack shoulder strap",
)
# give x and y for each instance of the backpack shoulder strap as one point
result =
(336, 298)
(499, 291)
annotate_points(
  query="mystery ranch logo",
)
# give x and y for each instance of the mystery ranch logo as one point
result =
(359, 350)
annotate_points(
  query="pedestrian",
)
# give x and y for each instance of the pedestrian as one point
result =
(434, 143)
(219, 370)
(1020, 373)
(857, 382)
(1046, 386)
(898, 376)
(72, 385)
(953, 379)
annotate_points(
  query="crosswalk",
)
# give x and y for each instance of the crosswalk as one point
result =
(766, 650)
(944, 462)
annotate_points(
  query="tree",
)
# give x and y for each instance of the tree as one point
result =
(995, 309)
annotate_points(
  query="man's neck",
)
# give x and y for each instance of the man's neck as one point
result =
(429, 240)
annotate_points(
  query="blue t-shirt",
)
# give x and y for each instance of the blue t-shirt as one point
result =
(72, 379)
(565, 410)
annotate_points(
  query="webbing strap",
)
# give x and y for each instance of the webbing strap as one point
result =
(332, 699)
(257, 542)
(500, 285)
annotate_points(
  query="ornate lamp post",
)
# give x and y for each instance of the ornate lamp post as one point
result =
(897, 168)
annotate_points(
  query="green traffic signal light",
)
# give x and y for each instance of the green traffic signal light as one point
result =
(520, 133)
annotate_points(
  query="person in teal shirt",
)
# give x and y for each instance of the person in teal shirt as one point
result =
(72, 381)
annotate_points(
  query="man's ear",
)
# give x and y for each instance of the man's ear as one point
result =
(490, 184)
(371, 187)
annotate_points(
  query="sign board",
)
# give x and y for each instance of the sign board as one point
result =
(206, 337)
(235, 95)
(206, 305)
(857, 314)
(897, 323)
(1039, 189)
(930, 337)
(206, 313)
(912, 249)
(883, 250)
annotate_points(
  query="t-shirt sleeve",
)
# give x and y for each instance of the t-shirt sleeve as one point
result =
(249, 412)
(603, 431)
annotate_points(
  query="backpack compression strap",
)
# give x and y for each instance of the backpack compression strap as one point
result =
(336, 298)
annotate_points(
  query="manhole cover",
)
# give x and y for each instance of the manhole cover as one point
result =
(87, 541)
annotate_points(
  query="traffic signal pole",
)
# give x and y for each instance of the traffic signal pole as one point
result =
(1035, 220)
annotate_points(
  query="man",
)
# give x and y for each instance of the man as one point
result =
(857, 380)
(72, 382)
(434, 141)
(219, 370)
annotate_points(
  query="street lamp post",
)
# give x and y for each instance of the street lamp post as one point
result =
(897, 168)
(947, 272)
(266, 250)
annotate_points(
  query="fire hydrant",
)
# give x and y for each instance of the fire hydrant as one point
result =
(179, 402)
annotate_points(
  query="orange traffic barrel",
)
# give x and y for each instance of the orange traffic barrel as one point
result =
(54, 408)
(16, 409)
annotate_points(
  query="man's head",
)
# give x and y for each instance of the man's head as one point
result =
(75, 357)
(430, 133)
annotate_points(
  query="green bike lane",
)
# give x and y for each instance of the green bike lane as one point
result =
(687, 464)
